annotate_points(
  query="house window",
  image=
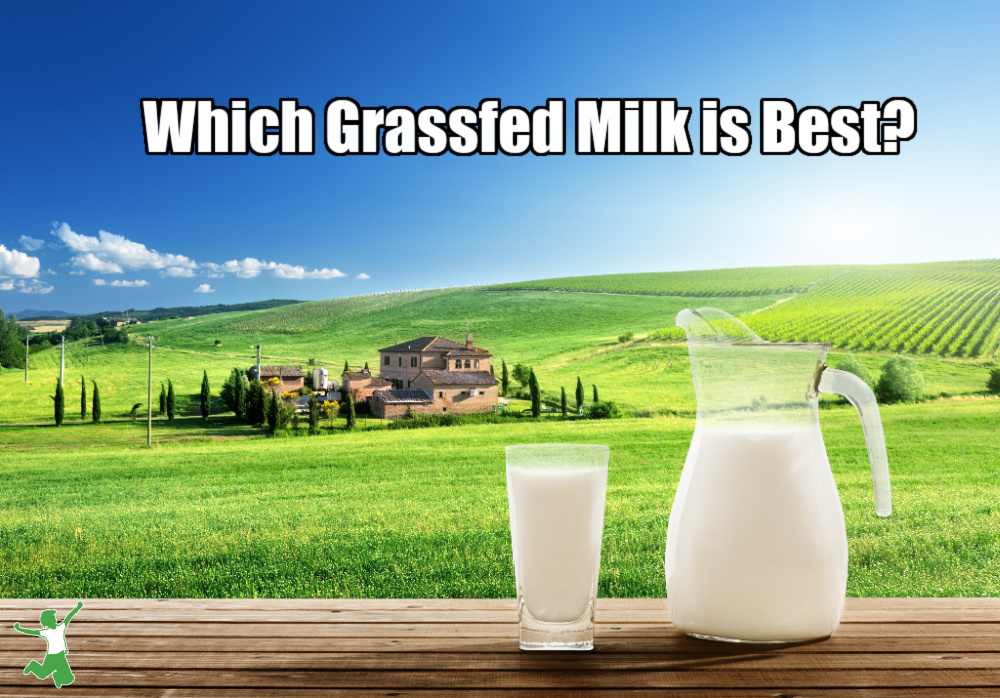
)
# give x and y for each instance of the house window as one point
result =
(413, 362)
(408, 383)
(468, 364)
(440, 393)
(458, 363)
(477, 363)
(400, 360)
(387, 360)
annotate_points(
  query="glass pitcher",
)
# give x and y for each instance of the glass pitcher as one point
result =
(756, 543)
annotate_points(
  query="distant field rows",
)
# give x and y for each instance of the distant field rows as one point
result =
(949, 309)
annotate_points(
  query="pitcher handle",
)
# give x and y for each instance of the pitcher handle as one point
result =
(861, 396)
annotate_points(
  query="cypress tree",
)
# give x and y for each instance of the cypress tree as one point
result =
(255, 409)
(60, 406)
(595, 394)
(346, 367)
(83, 399)
(163, 400)
(95, 409)
(239, 401)
(563, 402)
(272, 413)
(242, 394)
(351, 417)
(504, 378)
(579, 394)
(171, 400)
(313, 413)
(206, 396)
(366, 367)
(536, 399)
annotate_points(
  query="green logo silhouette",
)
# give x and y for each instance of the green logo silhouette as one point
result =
(54, 664)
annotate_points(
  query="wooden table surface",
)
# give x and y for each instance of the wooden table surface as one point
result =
(468, 647)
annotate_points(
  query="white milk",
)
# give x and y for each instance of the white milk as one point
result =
(756, 544)
(556, 520)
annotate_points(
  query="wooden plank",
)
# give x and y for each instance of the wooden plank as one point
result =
(82, 628)
(891, 603)
(566, 680)
(248, 692)
(11, 642)
(349, 615)
(515, 662)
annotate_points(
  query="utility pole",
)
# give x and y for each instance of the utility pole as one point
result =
(26, 356)
(62, 359)
(257, 347)
(149, 397)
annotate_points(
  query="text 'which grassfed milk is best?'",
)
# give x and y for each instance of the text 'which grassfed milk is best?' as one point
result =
(619, 126)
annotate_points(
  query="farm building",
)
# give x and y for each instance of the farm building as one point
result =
(455, 377)
(290, 378)
(389, 404)
(361, 384)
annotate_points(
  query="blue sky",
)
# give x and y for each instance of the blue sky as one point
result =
(89, 222)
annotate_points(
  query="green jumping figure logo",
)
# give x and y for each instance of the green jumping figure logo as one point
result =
(54, 664)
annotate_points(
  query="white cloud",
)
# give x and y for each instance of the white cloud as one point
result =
(91, 262)
(204, 288)
(121, 282)
(32, 286)
(113, 254)
(246, 269)
(250, 267)
(17, 263)
(31, 244)
(288, 271)
(119, 251)
(362, 275)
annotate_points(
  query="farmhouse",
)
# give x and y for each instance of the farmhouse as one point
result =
(290, 378)
(361, 384)
(452, 377)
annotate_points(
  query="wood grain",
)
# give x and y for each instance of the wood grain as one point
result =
(910, 648)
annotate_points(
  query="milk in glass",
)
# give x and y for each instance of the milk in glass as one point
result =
(756, 544)
(556, 518)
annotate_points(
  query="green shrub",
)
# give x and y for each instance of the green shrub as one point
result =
(900, 381)
(993, 383)
(627, 337)
(606, 410)
(852, 365)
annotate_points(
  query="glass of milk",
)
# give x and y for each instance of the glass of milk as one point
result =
(556, 494)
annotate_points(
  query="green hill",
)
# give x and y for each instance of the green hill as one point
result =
(946, 314)
(941, 308)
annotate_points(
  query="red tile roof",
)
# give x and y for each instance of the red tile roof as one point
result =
(397, 397)
(461, 377)
(283, 371)
(434, 344)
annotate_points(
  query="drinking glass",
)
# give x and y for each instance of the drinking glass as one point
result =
(556, 495)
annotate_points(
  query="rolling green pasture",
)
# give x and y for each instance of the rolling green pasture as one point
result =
(520, 326)
(424, 513)
(939, 309)
(752, 281)
(563, 335)
(121, 372)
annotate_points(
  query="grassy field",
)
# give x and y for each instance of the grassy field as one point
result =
(424, 513)
(217, 509)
